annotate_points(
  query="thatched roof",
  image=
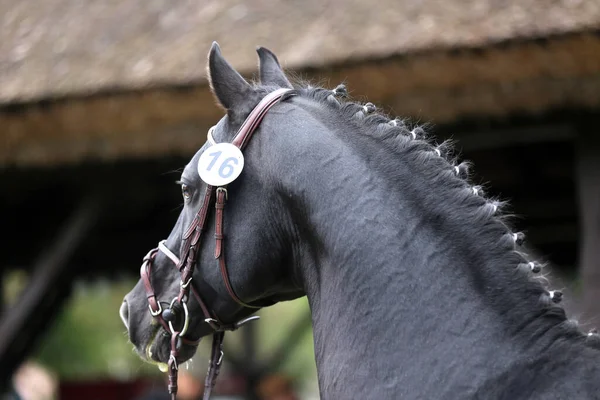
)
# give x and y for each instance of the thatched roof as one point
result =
(68, 47)
(528, 77)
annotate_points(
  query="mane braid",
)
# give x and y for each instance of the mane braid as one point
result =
(444, 169)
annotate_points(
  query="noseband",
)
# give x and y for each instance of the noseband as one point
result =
(187, 261)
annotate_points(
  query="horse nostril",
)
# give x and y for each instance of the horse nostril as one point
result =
(124, 313)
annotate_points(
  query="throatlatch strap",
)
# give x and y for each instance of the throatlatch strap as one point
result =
(219, 253)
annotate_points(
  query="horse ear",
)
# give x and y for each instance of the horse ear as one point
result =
(230, 88)
(270, 70)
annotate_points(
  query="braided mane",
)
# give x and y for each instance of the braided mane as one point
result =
(443, 168)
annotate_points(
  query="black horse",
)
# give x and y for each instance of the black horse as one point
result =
(415, 281)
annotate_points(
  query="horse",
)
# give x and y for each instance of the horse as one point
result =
(418, 287)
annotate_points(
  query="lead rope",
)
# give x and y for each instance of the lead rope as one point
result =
(214, 365)
(173, 368)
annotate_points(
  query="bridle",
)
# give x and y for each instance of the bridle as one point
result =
(187, 261)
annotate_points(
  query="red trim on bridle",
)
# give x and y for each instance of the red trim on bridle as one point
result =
(187, 261)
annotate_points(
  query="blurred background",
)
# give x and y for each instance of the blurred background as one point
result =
(101, 102)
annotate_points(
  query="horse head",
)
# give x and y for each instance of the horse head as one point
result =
(246, 264)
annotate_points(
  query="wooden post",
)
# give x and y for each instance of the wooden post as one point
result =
(25, 321)
(588, 182)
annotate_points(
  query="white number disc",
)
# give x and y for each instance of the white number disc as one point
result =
(220, 164)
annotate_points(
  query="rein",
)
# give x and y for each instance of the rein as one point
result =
(186, 264)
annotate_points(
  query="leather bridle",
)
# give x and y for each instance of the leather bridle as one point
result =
(187, 261)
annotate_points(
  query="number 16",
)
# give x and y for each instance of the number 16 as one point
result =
(226, 168)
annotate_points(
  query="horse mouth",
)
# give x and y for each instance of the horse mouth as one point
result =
(158, 350)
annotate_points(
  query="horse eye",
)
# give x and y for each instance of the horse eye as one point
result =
(185, 191)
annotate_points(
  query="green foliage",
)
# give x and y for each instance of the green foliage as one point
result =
(89, 341)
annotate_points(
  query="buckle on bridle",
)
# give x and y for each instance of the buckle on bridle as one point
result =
(222, 189)
(173, 362)
(185, 285)
(155, 313)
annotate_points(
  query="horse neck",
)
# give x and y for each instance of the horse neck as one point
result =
(395, 275)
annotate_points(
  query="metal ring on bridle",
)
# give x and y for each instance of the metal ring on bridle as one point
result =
(186, 321)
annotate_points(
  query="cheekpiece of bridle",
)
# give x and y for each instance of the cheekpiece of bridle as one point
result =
(170, 317)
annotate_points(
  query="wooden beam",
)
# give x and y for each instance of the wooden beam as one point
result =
(25, 321)
(588, 181)
(439, 87)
